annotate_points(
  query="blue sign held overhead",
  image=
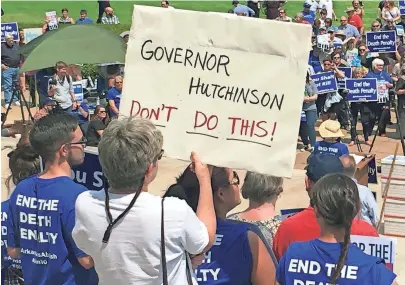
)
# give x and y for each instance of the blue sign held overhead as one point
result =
(325, 82)
(381, 42)
(361, 89)
(342, 81)
(401, 6)
(9, 29)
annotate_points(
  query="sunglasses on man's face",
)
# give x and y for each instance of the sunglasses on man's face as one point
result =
(82, 141)
(102, 112)
(376, 26)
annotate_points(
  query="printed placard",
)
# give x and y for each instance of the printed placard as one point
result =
(362, 89)
(32, 33)
(325, 82)
(208, 104)
(381, 42)
(78, 90)
(89, 173)
(372, 172)
(401, 6)
(342, 81)
(9, 29)
(53, 21)
(382, 247)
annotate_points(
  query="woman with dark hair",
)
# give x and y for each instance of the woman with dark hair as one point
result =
(97, 125)
(23, 162)
(238, 256)
(336, 201)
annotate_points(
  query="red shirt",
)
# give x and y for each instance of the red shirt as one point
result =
(356, 21)
(303, 227)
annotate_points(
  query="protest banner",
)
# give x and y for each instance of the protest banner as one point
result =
(325, 82)
(31, 34)
(53, 21)
(381, 42)
(382, 247)
(400, 30)
(361, 89)
(203, 101)
(342, 81)
(9, 29)
(78, 90)
(89, 173)
(401, 6)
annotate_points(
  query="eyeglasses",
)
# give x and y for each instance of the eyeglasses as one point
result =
(235, 179)
(343, 20)
(104, 111)
(160, 155)
(83, 141)
(118, 82)
(336, 57)
(376, 26)
(282, 12)
(326, 64)
(362, 50)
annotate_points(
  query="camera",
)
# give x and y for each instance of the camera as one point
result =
(52, 82)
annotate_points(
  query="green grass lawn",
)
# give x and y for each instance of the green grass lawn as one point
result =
(32, 13)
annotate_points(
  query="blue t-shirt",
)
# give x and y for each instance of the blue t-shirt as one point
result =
(80, 118)
(84, 21)
(337, 148)
(314, 261)
(42, 217)
(229, 261)
(309, 16)
(114, 94)
(6, 260)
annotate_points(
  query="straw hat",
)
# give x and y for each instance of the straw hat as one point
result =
(330, 129)
(349, 9)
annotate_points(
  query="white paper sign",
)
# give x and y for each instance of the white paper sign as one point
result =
(213, 86)
(53, 21)
(31, 34)
(382, 247)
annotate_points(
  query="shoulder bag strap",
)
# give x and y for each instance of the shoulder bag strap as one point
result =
(163, 252)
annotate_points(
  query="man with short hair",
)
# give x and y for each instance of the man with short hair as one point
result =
(303, 226)
(110, 18)
(83, 18)
(10, 64)
(42, 208)
(308, 14)
(165, 4)
(242, 10)
(121, 227)
(349, 30)
(354, 19)
(369, 209)
(61, 87)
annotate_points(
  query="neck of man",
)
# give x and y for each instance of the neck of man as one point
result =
(56, 169)
(126, 191)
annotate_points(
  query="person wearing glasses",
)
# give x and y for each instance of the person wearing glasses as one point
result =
(262, 191)
(358, 8)
(238, 256)
(348, 29)
(114, 97)
(283, 16)
(121, 227)
(42, 208)
(97, 125)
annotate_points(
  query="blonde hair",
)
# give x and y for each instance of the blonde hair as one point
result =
(376, 62)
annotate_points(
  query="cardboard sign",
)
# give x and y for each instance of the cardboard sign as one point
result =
(325, 82)
(361, 89)
(9, 29)
(89, 173)
(31, 34)
(78, 90)
(191, 81)
(382, 247)
(53, 21)
(401, 6)
(381, 42)
(342, 81)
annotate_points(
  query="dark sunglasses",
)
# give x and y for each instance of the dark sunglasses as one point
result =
(102, 111)
(362, 50)
(377, 26)
(82, 141)
(160, 155)
(118, 82)
(336, 57)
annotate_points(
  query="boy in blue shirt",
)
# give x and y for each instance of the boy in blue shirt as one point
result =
(42, 208)
(331, 133)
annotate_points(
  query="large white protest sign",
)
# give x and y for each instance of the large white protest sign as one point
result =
(229, 88)
(381, 247)
(52, 20)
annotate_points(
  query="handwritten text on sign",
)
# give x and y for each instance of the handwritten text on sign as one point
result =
(194, 88)
(381, 42)
(9, 29)
(325, 82)
(381, 247)
(362, 89)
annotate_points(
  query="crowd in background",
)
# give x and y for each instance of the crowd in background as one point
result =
(59, 232)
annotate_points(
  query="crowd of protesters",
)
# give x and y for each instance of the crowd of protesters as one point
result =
(59, 232)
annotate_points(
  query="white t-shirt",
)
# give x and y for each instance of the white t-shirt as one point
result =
(328, 5)
(132, 255)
